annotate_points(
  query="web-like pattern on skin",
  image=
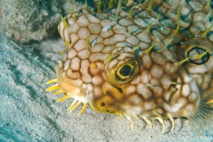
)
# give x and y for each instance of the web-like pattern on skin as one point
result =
(153, 60)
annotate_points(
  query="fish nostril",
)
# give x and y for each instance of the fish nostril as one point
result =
(102, 104)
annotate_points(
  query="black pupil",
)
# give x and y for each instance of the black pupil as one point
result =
(125, 70)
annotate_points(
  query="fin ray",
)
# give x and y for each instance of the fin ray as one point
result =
(201, 121)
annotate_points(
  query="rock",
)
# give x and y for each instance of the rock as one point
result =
(28, 20)
(29, 113)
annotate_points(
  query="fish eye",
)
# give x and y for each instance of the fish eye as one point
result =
(125, 71)
(122, 68)
(195, 51)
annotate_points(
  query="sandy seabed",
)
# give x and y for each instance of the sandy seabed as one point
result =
(28, 113)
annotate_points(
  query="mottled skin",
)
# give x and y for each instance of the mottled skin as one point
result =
(151, 64)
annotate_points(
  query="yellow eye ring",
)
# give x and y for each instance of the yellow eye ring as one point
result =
(122, 68)
(125, 72)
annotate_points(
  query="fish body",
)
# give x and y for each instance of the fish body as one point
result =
(152, 60)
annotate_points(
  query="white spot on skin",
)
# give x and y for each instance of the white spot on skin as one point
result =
(106, 28)
(94, 42)
(99, 40)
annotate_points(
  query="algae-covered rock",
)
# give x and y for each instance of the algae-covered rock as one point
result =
(33, 19)
(30, 114)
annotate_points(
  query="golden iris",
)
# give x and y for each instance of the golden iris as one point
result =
(125, 72)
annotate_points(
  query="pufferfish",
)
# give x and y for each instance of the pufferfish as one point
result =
(148, 60)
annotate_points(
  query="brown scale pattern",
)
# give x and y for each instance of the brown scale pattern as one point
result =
(160, 86)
